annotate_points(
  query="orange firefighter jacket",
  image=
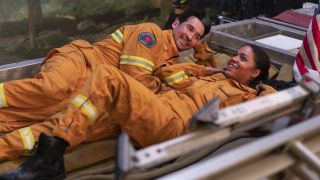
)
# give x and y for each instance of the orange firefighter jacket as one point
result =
(138, 50)
(204, 55)
(204, 89)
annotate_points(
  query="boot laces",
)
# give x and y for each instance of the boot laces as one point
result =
(34, 158)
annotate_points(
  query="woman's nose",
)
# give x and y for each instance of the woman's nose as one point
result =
(236, 58)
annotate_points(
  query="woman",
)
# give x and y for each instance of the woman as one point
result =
(249, 66)
(111, 100)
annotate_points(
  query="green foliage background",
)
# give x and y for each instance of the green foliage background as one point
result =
(66, 20)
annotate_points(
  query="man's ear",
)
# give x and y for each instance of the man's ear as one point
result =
(175, 23)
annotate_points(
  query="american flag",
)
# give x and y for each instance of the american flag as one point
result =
(308, 57)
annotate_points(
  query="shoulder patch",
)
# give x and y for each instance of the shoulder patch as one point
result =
(147, 39)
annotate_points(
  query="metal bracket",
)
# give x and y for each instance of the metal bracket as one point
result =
(207, 114)
(125, 152)
(128, 158)
(313, 86)
(224, 19)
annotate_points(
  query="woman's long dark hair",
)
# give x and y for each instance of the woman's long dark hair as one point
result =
(263, 63)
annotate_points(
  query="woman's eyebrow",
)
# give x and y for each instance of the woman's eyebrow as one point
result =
(243, 54)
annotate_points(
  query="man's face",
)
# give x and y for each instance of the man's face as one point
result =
(187, 34)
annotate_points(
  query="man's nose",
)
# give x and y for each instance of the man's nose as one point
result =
(190, 36)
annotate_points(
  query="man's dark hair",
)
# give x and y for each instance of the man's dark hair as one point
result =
(201, 15)
(263, 63)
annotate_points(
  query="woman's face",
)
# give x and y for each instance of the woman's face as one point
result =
(242, 67)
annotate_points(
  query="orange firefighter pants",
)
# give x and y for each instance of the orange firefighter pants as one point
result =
(119, 101)
(21, 142)
(50, 91)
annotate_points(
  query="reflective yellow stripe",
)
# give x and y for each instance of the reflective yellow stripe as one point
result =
(176, 78)
(28, 140)
(117, 36)
(3, 101)
(86, 107)
(137, 61)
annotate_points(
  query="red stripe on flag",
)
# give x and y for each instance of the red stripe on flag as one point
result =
(308, 52)
(316, 36)
(300, 64)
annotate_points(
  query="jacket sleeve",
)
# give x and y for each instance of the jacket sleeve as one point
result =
(142, 47)
(179, 76)
(266, 90)
(204, 55)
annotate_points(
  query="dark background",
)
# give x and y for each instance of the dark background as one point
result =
(30, 28)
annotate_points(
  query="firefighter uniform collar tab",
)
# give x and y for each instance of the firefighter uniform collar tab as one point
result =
(147, 39)
(170, 43)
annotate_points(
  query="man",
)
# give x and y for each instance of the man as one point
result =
(202, 52)
(138, 50)
(22, 141)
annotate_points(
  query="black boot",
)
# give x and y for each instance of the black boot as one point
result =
(46, 163)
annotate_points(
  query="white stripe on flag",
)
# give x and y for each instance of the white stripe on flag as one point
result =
(296, 73)
(304, 57)
(313, 49)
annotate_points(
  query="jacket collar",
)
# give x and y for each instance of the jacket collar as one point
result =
(169, 44)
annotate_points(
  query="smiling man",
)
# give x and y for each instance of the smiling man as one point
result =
(141, 51)
(187, 34)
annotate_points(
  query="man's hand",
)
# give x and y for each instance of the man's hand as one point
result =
(261, 87)
(211, 70)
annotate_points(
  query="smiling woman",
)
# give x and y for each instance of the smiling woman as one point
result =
(249, 65)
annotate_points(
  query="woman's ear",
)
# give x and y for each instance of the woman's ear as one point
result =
(256, 73)
(175, 23)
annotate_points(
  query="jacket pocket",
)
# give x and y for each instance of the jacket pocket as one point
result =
(230, 91)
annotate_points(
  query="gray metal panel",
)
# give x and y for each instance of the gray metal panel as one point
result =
(20, 70)
(216, 165)
(233, 35)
